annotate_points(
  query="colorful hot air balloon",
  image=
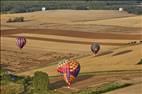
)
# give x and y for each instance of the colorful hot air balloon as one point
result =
(21, 41)
(70, 69)
(95, 47)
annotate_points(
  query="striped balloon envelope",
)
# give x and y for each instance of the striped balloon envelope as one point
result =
(70, 70)
(20, 41)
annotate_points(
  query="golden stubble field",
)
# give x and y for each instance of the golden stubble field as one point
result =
(76, 20)
(55, 35)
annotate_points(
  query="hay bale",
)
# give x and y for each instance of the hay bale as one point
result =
(120, 9)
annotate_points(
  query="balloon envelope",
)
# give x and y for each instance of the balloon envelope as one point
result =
(95, 47)
(21, 41)
(70, 69)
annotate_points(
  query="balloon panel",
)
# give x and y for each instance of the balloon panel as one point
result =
(76, 71)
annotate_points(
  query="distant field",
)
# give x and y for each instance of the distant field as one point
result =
(125, 22)
(80, 20)
(49, 19)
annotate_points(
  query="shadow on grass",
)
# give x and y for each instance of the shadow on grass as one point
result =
(104, 53)
(61, 83)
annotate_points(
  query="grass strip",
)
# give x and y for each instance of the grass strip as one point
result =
(104, 88)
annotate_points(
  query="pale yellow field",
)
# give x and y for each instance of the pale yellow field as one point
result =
(108, 62)
(125, 22)
(35, 51)
(37, 45)
(68, 15)
(65, 19)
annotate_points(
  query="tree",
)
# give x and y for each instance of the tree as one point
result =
(40, 83)
(5, 78)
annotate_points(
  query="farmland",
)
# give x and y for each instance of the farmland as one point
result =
(58, 34)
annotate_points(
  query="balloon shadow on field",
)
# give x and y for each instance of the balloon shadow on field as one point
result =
(122, 52)
(57, 84)
(104, 53)
(61, 83)
(83, 77)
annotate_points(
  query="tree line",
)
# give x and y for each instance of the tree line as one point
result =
(18, 6)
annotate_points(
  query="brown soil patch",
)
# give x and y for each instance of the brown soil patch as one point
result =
(74, 42)
(74, 34)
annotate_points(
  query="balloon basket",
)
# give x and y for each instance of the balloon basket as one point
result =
(68, 87)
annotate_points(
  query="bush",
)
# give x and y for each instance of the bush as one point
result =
(2, 72)
(11, 88)
(27, 84)
(40, 83)
(16, 19)
(5, 78)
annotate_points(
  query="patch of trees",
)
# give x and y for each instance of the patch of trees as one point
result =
(133, 42)
(12, 84)
(16, 19)
(40, 83)
(135, 10)
(16, 6)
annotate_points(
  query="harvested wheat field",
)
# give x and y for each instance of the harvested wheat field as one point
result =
(58, 34)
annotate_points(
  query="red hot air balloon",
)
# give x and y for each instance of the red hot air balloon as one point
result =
(70, 70)
(21, 41)
(95, 47)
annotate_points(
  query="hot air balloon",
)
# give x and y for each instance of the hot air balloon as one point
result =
(95, 47)
(70, 69)
(21, 41)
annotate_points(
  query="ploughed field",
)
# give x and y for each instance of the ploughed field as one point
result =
(55, 35)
